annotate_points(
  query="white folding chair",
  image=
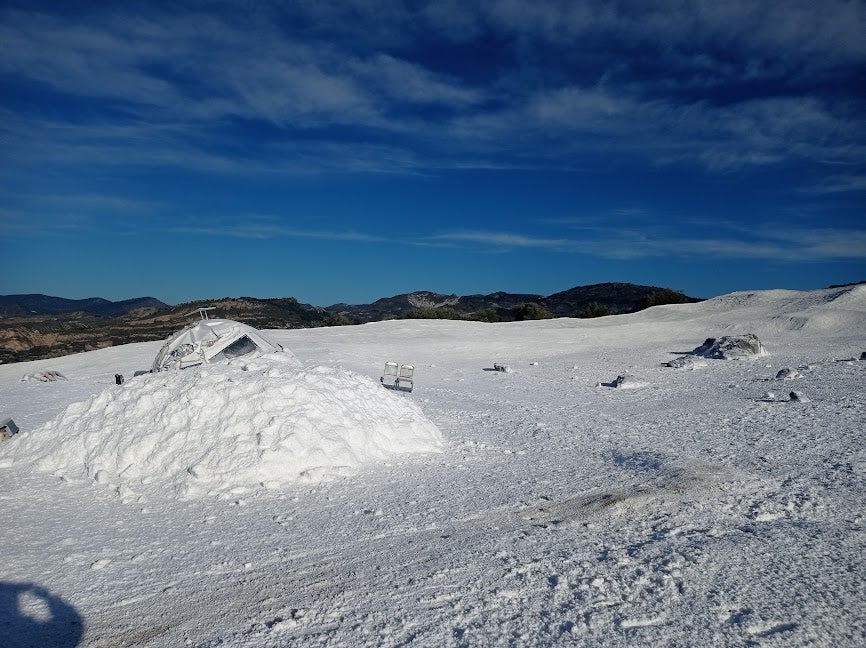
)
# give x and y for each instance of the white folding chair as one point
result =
(407, 373)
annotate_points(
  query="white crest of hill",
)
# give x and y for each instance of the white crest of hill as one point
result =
(769, 311)
(807, 305)
(214, 340)
(219, 429)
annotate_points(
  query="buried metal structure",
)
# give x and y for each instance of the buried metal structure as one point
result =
(212, 340)
(8, 429)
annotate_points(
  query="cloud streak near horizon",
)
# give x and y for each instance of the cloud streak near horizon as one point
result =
(780, 245)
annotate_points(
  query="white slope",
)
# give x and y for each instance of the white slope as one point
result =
(693, 510)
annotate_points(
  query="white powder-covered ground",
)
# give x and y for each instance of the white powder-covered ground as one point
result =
(225, 429)
(702, 507)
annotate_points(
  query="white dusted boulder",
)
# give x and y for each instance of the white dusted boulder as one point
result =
(685, 362)
(731, 347)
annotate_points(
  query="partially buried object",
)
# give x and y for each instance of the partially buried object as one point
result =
(8, 429)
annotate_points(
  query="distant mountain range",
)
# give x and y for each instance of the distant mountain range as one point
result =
(40, 326)
(29, 305)
(606, 298)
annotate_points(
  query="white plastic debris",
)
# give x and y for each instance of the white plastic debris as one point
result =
(43, 376)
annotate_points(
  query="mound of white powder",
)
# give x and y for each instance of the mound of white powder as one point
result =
(223, 429)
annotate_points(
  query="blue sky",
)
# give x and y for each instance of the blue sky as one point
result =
(345, 151)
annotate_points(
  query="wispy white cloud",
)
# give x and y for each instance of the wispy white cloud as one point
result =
(837, 184)
(780, 243)
(822, 244)
(24, 223)
(171, 85)
(248, 228)
(89, 202)
(406, 82)
(798, 30)
(500, 240)
(29, 215)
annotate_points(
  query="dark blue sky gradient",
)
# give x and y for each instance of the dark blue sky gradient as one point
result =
(345, 151)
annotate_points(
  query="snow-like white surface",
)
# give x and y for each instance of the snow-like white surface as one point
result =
(224, 429)
(692, 511)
